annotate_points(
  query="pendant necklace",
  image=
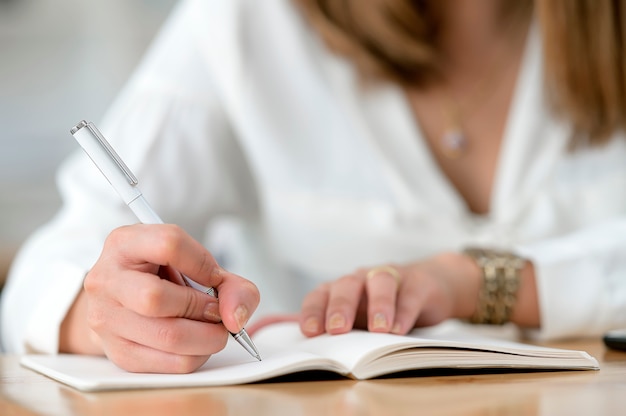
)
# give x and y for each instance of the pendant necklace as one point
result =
(454, 141)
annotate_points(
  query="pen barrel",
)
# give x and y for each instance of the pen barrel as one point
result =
(143, 211)
(87, 139)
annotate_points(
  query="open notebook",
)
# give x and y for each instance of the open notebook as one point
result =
(358, 355)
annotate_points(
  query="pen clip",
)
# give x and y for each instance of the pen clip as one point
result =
(132, 180)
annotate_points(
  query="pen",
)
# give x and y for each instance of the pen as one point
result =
(125, 183)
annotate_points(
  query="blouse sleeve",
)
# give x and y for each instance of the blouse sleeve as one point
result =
(581, 280)
(169, 126)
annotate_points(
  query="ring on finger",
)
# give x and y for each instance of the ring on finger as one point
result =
(384, 269)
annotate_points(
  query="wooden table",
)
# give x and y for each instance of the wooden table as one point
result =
(23, 392)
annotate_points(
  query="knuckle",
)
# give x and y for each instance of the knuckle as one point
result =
(205, 264)
(168, 240)
(312, 304)
(96, 319)
(321, 290)
(361, 271)
(350, 279)
(312, 296)
(340, 301)
(412, 291)
(168, 337)
(91, 283)
(318, 294)
(149, 298)
(117, 237)
(185, 364)
(311, 301)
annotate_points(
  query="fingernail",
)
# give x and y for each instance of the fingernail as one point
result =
(311, 325)
(380, 321)
(396, 329)
(336, 321)
(241, 315)
(212, 312)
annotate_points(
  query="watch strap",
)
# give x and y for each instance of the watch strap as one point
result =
(501, 272)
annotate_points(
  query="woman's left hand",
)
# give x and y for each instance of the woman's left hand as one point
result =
(394, 298)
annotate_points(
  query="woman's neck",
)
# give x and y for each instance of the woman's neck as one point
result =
(474, 32)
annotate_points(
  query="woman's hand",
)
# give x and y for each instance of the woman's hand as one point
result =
(135, 308)
(394, 298)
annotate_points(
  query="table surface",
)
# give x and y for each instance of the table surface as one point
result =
(603, 392)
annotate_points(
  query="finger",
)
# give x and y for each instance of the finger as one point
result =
(172, 335)
(177, 335)
(141, 246)
(168, 245)
(410, 301)
(238, 299)
(147, 295)
(382, 288)
(343, 302)
(313, 311)
(138, 358)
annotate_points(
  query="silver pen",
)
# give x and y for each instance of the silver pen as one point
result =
(125, 183)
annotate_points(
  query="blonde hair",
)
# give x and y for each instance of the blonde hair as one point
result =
(585, 62)
(584, 47)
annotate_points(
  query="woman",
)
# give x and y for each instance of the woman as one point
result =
(300, 141)
(460, 88)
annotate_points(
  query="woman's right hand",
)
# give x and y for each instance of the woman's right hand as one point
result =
(135, 309)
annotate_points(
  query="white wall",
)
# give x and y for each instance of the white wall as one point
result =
(60, 61)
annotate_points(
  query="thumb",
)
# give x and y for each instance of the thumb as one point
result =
(190, 299)
(238, 299)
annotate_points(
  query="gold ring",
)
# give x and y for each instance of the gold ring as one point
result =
(384, 269)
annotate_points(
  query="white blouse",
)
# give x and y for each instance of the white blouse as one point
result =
(245, 130)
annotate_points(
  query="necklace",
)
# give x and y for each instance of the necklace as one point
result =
(454, 141)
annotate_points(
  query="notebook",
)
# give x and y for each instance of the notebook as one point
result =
(357, 355)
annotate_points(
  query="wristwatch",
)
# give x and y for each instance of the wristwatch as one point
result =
(501, 272)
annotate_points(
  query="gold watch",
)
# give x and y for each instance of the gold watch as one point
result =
(501, 272)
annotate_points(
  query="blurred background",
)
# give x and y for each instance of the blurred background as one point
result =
(61, 61)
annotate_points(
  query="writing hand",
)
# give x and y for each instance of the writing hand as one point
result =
(143, 321)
